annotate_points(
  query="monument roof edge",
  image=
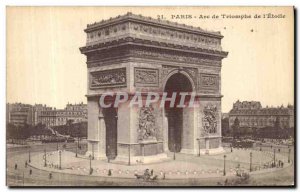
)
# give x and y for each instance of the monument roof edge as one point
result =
(127, 41)
(163, 23)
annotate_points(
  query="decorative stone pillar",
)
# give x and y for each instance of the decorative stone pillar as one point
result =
(165, 131)
(93, 114)
(206, 146)
(189, 134)
(101, 137)
(124, 133)
(196, 131)
(220, 142)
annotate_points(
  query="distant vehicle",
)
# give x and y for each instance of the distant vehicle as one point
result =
(248, 143)
(227, 139)
(56, 139)
(70, 140)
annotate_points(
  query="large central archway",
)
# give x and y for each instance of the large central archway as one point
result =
(177, 83)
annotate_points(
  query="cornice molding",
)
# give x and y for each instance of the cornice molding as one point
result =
(153, 44)
(150, 21)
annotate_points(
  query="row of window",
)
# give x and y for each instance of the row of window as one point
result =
(260, 123)
(47, 119)
(62, 113)
(271, 120)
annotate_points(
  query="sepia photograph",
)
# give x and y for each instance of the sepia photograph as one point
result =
(150, 96)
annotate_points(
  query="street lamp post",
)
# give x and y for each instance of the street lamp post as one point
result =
(59, 152)
(79, 142)
(289, 157)
(29, 158)
(250, 161)
(128, 154)
(274, 157)
(90, 164)
(198, 147)
(108, 156)
(174, 146)
(231, 148)
(78, 139)
(224, 171)
(45, 155)
(76, 151)
(23, 179)
(260, 147)
(93, 151)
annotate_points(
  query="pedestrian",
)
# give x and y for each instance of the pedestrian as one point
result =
(226, 182)
(16, 166)
(147, 174)
(50, 175)
(25, 164)
(151, 172)
(109, 172)
(30, 172)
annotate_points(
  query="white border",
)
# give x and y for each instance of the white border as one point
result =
(5, 3)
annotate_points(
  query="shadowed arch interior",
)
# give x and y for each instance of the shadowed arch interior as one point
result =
(111, 122)
(176, 83)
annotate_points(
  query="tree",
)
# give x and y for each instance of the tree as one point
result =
(69, 122)
(225, 127)
(11, 131)
(254, 132)
(236, 128)
(277, 128)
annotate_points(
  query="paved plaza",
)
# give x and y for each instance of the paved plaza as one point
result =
(184, 166)
(177, 172)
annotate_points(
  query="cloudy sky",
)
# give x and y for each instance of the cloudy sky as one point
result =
(44, 64)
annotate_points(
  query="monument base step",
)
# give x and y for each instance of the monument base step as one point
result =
(136, 160)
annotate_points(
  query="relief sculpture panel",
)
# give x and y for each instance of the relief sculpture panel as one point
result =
(108, 78)
(209, 82)
(147, 129)
(146, 77)
(210, 119)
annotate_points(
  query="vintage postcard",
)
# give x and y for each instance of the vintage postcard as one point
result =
(150, 96)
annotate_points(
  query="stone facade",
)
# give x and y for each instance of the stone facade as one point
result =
(19, 114)
(132, 53)
(55, 117)
(252, 115)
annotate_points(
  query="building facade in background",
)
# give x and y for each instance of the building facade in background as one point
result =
(71, 113)
(251, 114)
(20, 114)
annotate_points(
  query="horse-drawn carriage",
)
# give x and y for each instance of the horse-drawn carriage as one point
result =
(146, 176)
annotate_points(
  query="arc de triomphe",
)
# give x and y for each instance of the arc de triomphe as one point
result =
(132, 53)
